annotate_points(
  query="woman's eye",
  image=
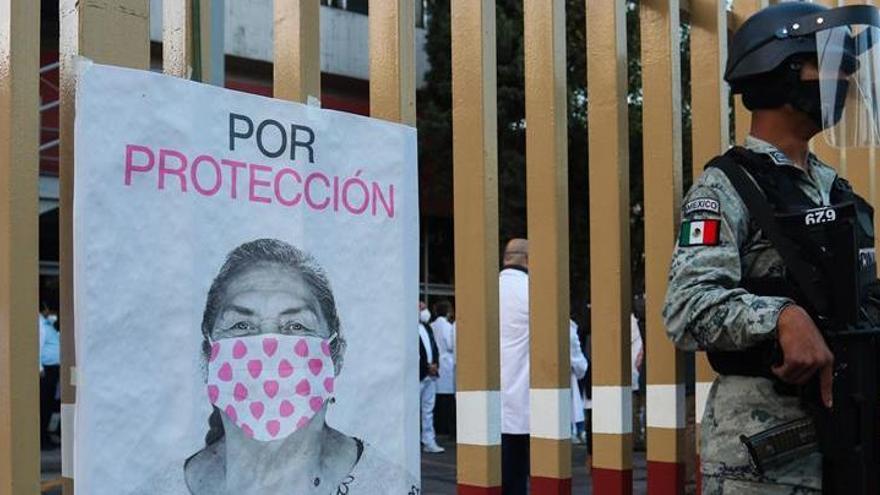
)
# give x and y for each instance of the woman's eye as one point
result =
(242, 325)
(294, 326)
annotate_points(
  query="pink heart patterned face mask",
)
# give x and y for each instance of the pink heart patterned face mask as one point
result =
(270, 385)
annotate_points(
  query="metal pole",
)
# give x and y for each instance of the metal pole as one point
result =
(475, 182)
(742, 10)
(214, 21)
(297, 69)
(611, 295)
(710, 132)
(177, 40)
(116, 34)
(19, 138)
(860, 164)
(547, 182)
(661, 128)
(392, 60)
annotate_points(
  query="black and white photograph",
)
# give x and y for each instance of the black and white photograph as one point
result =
(242, 329)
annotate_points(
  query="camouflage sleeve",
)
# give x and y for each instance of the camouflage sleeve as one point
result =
(705, 308)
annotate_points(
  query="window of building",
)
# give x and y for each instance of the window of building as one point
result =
(359, 6)
(363, 7)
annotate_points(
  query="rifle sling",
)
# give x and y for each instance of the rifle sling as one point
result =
(761, 210)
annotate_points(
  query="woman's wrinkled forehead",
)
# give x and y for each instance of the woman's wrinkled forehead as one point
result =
(266, 285)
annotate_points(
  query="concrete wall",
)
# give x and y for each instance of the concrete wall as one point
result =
(344, 37)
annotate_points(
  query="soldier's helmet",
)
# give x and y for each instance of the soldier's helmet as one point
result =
(762, 44)
(769, 58)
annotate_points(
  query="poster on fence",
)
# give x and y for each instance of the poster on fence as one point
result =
(245, 293)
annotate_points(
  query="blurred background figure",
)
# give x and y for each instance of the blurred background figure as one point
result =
(513, 306)
(444, 334)
(579, 366)
(50, 369)
(429, 370)
(585, 384)
(637, 350)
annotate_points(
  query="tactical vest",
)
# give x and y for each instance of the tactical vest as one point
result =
(832, 246)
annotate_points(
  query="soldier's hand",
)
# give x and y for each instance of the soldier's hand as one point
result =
(804, 351)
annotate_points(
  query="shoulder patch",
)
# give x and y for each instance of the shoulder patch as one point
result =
(699, 233)
(701, 204)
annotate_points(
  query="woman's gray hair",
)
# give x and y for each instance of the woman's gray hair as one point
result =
(270, 251)
(273, 251)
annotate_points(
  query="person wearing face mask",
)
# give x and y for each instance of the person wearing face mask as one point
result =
(770, 238)
(273, 348)
(429, 370)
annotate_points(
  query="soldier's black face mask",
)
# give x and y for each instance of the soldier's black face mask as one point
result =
(785, 86)
(805, 95)
(844, 45)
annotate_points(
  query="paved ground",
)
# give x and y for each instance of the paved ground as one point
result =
(50, 464)
(438, 471)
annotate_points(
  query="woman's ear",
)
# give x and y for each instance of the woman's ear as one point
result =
(337, 352)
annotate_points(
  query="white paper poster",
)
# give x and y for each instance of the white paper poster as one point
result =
(246, 293)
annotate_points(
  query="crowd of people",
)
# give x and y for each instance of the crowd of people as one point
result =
(514, 333)
(437, 371)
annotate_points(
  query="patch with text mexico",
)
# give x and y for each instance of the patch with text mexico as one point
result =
(701, 204)
(699, 233)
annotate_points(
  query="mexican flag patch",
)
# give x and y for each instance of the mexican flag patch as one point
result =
(699, 233)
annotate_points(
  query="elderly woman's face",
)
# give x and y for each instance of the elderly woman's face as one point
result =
(269, 298)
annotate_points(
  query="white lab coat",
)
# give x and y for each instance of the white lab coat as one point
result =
(636, 347)
(444, 334)
(42, 322)
(579, 366)
(513, 306)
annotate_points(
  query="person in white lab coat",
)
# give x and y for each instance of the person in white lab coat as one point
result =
(637, 350)
(444, 334)
(513, 286)
(579, 366)
(429, 369)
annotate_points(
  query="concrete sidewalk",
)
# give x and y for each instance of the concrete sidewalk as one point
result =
(438, 471)
(50, 471)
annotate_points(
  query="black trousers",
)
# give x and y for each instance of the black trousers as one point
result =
(514, 464)
(48, 404)
(444, 414)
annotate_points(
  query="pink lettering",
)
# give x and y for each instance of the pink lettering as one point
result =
(379, 198)
(234, 167)
(316, 191)
(254, 182)
(297, 197)
(194, 175)
(164, 169)
(355, 181)
(309, 200)
(130, 166)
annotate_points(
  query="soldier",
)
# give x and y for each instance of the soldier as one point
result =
(735, 288)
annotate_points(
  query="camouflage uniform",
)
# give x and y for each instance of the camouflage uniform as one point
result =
(706, 309)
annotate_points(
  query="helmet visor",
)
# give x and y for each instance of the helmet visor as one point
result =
(848, 60)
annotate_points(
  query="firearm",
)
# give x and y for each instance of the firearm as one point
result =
(828, 253)
(848, 314)
(848, 432)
